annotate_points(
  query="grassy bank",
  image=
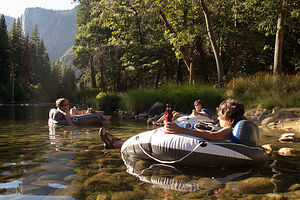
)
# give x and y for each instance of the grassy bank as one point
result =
(261, 88)
(267, 90)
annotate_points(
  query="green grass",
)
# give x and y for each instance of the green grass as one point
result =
(180, 97)
(265, 89)
(262, 88)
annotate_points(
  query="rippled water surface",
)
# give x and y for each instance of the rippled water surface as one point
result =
(71, 163)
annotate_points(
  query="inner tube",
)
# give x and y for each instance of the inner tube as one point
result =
(57, 118)
(187, 150)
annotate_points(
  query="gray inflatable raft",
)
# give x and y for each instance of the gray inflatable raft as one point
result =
(193, 151)
(57, 118)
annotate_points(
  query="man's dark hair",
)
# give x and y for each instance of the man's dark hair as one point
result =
(198, 102)
(233, 110)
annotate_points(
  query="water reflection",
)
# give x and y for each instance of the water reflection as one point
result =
(184, 178)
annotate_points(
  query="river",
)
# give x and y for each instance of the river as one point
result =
(71, 163)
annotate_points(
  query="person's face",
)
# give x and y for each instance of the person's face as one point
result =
(221, 119)
(198, 108)
(65, 105)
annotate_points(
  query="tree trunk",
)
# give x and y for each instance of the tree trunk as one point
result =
(213, 44)
(189, 64)
(279, 41)
(235, 60)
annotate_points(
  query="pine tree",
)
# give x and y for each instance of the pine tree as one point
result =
(16, 39)
(27, 67)
(4, 53)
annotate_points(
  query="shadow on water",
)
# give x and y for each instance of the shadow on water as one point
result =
(71, 163)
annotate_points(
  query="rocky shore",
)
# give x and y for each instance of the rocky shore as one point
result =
(287, 119)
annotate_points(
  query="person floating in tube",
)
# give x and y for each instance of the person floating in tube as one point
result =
(63, 106)
(230, 112)
(198, 111)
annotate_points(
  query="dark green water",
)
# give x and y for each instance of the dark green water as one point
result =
(71, 163)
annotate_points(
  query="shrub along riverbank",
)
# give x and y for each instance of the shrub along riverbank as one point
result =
(262, 88)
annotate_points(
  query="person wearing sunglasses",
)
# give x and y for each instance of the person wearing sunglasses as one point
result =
(63, 106)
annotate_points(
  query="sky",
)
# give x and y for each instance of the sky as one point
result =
(15, 8)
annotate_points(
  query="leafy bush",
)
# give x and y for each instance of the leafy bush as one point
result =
(87, 94)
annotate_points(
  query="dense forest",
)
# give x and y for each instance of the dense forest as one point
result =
(27, 74)
(122, 45)
(125, 44)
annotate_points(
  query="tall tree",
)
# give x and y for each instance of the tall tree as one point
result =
(16, 38)
(4, 53)
(26, 68)
(213, 43)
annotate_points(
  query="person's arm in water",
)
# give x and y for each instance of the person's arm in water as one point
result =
(223, 134)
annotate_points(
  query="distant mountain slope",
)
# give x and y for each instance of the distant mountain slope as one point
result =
(56, 28)
(68, 56)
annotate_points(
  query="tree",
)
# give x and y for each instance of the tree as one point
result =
(26, 68)
(16, 39)
(213, 44)
(4, 53)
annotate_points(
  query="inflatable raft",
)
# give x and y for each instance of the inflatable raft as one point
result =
(57, 118)
(186, 150)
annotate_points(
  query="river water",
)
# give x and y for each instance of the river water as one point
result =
(71, 163)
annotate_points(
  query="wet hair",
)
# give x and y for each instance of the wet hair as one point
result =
(198, 102)
(59, 102)
(232, 110)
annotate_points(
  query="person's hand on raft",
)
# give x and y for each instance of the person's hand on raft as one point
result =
(172, 128)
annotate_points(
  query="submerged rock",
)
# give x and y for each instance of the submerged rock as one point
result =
(130, 195)
(288, 152)
(126, 114)
(287, 137)
(253, 185)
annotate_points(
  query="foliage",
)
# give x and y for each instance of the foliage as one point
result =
(84, 95)
(261, 88)
(180, 97)
(4, 94)
(133, 44)
(265, 89)
(108, 102)
(4, 54)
